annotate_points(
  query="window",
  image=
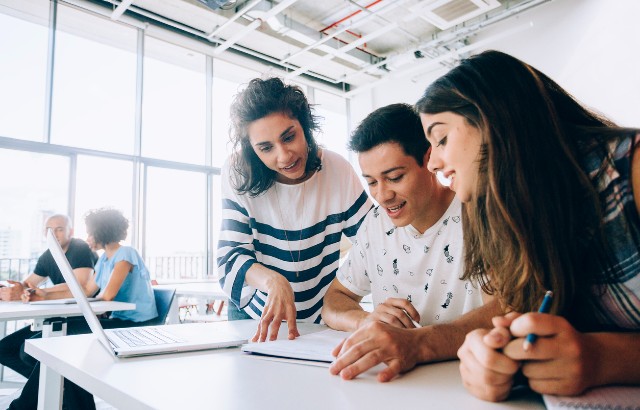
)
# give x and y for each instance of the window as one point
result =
(23, 68)
(94, 84)
(103, 183)
(216, 215)
(333, 125)
(174, 103)
(37, 189)
(228, 80)
(175, 237)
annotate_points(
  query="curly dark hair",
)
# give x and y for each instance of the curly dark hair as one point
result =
(106, 225)
(258, 100)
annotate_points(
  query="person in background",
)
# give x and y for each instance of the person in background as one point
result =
(407, 254)
(551, 194)
(81, 258)
(120, 275)
(285, 204)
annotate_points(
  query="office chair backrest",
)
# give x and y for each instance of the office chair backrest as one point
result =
(164, 298)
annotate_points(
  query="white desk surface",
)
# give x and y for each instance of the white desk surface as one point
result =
(22, 311)
(205, 289)
(230, 379)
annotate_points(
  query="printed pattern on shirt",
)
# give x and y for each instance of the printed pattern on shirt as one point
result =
(421, 268)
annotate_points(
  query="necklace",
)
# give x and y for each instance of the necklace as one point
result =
(295, 263)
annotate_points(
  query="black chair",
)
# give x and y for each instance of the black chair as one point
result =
(164, 298)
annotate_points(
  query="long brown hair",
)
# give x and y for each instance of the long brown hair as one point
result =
(534, 223)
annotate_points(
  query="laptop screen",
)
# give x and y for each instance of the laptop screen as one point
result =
(75, 288)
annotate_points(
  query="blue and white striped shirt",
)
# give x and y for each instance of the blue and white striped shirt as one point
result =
(292, 229)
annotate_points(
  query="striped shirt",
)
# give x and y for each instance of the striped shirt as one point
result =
(294, 230)
(620, 301)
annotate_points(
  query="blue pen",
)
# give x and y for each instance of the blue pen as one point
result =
(544, 308)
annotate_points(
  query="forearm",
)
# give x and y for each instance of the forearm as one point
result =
(59, 291)
(341, 312)
(442, 341)
(617, 357)
(263, 278)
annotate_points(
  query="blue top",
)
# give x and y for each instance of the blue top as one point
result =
(136, 287)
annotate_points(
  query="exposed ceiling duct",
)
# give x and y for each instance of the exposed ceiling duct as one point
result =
(348, 43)
(218, 4)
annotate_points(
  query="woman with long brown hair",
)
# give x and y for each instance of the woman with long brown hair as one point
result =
(549, 200)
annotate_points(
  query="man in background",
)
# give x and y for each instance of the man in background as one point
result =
(82, 260)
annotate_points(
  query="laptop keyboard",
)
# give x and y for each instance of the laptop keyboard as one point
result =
(146, 337)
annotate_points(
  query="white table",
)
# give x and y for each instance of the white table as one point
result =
(41, 312)
(230, 379)
(203, 290)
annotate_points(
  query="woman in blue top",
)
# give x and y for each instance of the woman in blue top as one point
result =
(120, 275)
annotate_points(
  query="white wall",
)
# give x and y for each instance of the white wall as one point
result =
(590, 47)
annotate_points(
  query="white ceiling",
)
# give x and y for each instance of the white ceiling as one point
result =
(350, 43)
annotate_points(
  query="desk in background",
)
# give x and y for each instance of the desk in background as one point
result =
(202, 290)
(230, 379)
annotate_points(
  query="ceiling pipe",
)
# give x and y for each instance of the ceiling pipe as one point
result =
(344, 49)
(451, 36)
(93, 8)
(355, 13)
(352, 26)
(119, 11)
(455, 54)
(233, 18)
(254, 24)
(400, 29)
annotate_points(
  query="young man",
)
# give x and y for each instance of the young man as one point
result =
(82, 260)
(407, 254)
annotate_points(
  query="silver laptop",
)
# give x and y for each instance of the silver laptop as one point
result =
(144, 340)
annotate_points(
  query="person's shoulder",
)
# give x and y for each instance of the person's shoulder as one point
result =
(45, 256)
(79, 244)
(127, 253)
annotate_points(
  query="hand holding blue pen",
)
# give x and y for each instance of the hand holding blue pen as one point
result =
(544, 308)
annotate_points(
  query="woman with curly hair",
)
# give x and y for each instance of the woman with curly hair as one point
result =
(285, 204)
(121, 274)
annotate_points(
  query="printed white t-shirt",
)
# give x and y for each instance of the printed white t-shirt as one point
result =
(390, 262)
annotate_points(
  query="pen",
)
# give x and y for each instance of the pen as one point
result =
(416, 324)
(544, 308)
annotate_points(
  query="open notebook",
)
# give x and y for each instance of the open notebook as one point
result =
(607, 397)
(314, 347)
(139, 341)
